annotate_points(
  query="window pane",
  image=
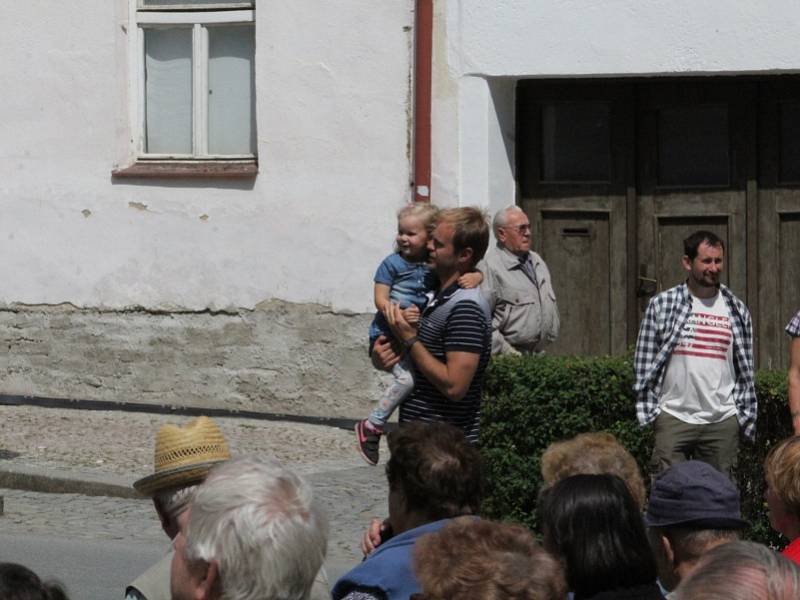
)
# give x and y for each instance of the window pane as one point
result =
(790, 141)
(693, 147)
(231, 97)
(168, 91)
(575, 142)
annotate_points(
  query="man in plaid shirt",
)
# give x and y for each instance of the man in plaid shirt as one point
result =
(694, 365)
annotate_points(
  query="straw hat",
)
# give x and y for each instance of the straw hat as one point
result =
(184, 455)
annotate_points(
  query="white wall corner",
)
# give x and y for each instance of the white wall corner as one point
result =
(473, 141)
(501, 139)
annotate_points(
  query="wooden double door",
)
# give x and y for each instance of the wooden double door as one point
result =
(615, 174)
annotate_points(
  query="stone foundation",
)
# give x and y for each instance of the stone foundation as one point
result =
(297, 359)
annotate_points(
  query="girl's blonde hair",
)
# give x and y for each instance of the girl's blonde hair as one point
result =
(424, 211)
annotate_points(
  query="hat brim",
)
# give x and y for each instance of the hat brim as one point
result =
(700, 523)
(177, 477)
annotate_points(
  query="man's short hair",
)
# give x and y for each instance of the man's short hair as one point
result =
(470, 230)
(438, 472)
(501, 216)
(18, 582)
(592, 454)
(471, 558)
(742, 571)
(693, 242)
(689, 544)
(782, 472)
(261, 524)
(172, 502)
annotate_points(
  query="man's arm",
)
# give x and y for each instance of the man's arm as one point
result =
(384, 355)
(647, 345)
(794, 383)
(488, 287)
(451, 378)
(499, 343)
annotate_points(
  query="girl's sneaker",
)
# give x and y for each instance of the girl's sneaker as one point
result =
(368, 440)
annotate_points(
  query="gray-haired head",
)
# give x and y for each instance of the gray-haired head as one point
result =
(742, 571)
(261, 525)
(170, 504)
(501, 216)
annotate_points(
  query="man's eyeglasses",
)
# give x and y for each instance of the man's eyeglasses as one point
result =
(519, 228)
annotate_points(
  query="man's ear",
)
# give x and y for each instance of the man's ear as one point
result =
(208, 588)
(669, 552)
(500, 235)
(167, 524)
(687, 263)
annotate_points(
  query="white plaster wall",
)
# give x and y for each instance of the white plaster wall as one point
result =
(333, 126)
(552, 38)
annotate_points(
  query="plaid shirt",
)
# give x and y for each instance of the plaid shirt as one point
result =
(793, 328)
(659, 333)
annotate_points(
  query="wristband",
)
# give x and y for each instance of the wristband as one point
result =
(795, 414)
(410, 342)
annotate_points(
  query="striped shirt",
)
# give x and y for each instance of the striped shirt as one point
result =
(457, 320)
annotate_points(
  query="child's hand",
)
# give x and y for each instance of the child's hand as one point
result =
(470, 280)
(411, 314)
(401, 328)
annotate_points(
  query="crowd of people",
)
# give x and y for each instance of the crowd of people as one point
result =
(247, 528)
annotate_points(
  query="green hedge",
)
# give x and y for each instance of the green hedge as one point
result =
(530, 402)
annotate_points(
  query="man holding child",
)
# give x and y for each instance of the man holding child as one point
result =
(452, 346)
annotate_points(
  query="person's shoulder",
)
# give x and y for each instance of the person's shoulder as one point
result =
(493, 257)
(535, 256)
(394, 259)
(737, 302)
(673, 294)
(470, 300)
(468, 295)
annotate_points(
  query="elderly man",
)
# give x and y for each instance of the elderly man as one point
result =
(742, 571)
(434, 475)
(254, 530)
(518, 287)
(183, 457)
(693, 508)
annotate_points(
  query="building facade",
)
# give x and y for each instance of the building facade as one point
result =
(195, 195)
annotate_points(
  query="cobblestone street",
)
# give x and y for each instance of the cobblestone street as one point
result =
(121, 444)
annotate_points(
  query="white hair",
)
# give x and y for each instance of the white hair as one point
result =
(173, 502)
(501, 216)
(742, 571)
(260, 523)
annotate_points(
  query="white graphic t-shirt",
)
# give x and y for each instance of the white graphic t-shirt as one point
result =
(698, 383)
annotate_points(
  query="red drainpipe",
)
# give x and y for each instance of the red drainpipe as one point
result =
(422, 101)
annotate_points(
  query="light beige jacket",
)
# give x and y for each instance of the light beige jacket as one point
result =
(524, 319)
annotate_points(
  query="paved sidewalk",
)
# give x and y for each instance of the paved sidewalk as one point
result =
(105, 451)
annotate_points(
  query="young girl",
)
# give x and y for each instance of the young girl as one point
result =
(402, 278)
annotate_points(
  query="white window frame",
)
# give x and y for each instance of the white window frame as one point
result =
(196, 17)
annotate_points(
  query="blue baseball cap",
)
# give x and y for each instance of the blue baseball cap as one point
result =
(694, 494)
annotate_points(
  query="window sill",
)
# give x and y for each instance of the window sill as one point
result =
(186, 169)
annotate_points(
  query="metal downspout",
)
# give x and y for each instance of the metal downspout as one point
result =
(423, 54)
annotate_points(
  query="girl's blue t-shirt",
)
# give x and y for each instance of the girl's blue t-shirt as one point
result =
(409, 283)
